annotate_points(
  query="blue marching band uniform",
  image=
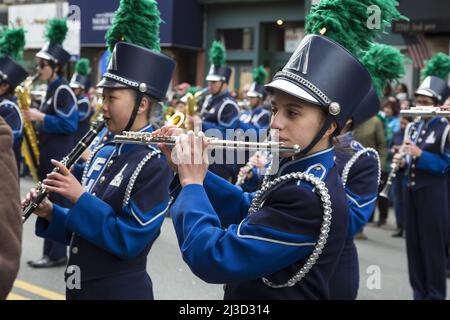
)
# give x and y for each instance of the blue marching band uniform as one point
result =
(220, 112)
(287, 227)
(304, 218)
(359, 168)
(56, 134)
(85, 110)
(128, 185)
(427, 225)
(12, 74)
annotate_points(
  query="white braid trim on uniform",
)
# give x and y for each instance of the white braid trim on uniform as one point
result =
(135, 174)
(353, 159)
(258, 202)
(88, 163)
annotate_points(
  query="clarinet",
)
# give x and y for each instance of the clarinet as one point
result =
(394, 168)
(68, 161)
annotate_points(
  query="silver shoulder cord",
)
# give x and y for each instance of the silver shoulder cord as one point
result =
(135, 174)
(351, 162)
(321, 189)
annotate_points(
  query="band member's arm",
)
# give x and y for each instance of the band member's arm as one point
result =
(285, 229)
(66, 118)
(362, 191)
(56, 230)
(238, 253)
(126, 233)
(434, 163)
(229, 202)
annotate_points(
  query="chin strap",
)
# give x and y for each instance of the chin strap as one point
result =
(326, 125)
(137, 103)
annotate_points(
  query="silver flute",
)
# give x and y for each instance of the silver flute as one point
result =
(425, 112)
(131, 137)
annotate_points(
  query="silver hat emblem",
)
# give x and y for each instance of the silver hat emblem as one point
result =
(334, 108)
(143, 87)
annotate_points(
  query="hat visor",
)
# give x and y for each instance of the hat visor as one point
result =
(426, 93)
(44, 55)
(107, 83)
(293, 90)
(75, 85)
(254, 94)
(212, 77)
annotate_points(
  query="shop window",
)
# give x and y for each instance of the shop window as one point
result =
(237, 39)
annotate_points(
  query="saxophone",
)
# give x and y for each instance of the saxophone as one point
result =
(30, 149)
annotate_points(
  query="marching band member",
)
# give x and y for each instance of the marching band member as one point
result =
(80, 85)
(220, 110)
(58, 122)
(260, 252)
(258, 117)
(118, 211)
(426, 141)
(12, 74)
(359, 168)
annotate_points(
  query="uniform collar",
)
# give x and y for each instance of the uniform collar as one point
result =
(222, 95)
(55, 83)
(324, 157)
(124, 148)
(345, 139)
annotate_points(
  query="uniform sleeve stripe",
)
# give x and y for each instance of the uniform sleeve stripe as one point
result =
(152, 219)
(361, 205)
(303, 244)
(55, 101)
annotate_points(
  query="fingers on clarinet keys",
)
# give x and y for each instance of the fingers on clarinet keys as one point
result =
(29, 197)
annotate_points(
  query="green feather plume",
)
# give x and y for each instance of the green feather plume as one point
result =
(384, 63)
(83, 67)
(438, 66)
(193, 90)
(217, 54)
(56, 31)
(136, 22)
(12, 43)
(260, 75)
(346, 21)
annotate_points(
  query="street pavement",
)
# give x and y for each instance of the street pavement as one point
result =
(383, 267)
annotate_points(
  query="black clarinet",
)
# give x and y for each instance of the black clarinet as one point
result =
(68, 161)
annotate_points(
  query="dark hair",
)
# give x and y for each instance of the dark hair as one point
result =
(394, 105)
(403, 87)
(10, 92)
(53, 65)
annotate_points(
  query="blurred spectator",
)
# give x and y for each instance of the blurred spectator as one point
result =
(405, 104)
(10, 213)
(182, 88)
(401, 92)
(391, 111)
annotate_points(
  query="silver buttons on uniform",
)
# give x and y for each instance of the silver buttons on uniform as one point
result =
(413, 183)
(110, 163)
(102, 179)
(420, 140)
(75, 250)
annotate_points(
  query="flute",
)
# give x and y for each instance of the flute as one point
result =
(131, 137)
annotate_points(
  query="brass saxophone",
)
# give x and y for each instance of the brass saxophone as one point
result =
(30, 149)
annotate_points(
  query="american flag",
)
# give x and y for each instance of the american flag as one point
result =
(417, 48)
